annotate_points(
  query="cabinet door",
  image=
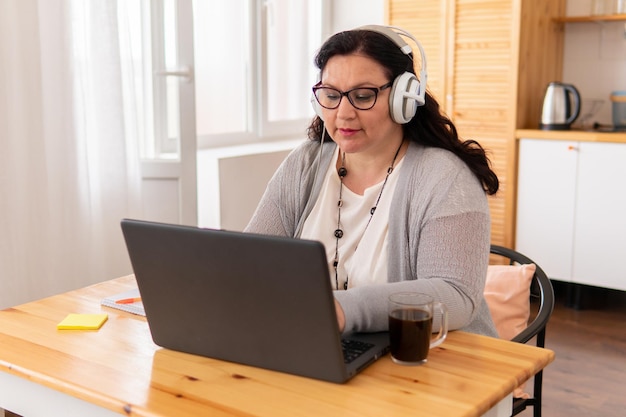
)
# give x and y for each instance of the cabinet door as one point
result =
(546, 197)
(471, 48)
(600, 244)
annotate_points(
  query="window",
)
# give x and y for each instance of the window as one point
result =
(148, 47)
(254, 68)
(224, 67)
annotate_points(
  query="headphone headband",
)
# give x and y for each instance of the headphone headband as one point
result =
(395, 33)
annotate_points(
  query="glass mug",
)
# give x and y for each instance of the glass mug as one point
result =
(410, 327)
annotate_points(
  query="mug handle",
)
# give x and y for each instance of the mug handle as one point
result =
(443, 330)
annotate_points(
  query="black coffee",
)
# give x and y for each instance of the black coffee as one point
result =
(410, 333)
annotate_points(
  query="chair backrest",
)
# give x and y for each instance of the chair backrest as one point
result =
(542, 294)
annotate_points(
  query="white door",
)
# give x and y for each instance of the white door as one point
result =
(168, 164)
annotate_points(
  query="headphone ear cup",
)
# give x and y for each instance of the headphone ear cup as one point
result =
(316, 107)
(404, 98)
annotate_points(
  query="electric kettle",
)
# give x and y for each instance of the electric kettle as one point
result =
(561, 106)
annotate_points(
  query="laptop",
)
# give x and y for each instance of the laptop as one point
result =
(258, 300)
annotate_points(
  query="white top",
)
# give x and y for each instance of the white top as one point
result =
(363, 248)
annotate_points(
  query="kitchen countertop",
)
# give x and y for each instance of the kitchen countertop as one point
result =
(576, 135)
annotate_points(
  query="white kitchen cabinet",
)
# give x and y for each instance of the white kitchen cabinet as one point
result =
(571, 207)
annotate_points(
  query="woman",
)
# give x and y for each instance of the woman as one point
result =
(400, 205)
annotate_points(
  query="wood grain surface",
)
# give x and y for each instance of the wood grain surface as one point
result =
(119, 368)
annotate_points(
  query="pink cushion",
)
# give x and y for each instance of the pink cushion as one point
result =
(507, 291)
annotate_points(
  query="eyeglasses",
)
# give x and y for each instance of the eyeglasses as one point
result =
(362, 98)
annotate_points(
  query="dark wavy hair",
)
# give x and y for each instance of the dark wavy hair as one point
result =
(429, 126)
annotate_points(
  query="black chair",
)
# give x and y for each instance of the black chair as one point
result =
(542, 304)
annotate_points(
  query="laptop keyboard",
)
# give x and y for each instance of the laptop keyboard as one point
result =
(352, 349)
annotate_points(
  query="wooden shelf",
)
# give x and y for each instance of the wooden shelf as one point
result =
(598, 18)
(573, 134)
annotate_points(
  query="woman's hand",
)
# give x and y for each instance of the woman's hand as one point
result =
(341, 317)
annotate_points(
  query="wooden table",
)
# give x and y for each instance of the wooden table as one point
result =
(119, 370)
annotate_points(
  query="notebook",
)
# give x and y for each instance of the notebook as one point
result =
(126, 301)
(253, 299)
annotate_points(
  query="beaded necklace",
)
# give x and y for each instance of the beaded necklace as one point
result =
(342, 172)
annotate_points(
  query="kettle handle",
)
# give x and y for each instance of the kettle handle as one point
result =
(576, 96)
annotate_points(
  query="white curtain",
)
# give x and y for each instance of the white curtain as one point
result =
(69, 169)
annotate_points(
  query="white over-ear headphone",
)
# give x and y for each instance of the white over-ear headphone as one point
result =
(407, 92)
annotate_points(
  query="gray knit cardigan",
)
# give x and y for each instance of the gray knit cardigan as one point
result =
(439, 233)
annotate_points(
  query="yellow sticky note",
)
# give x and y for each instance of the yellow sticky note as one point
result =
(82, 321)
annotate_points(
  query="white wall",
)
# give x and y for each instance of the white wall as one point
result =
(348, 14)
(594, 60)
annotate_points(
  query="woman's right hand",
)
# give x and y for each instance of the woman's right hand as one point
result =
(341, 317)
